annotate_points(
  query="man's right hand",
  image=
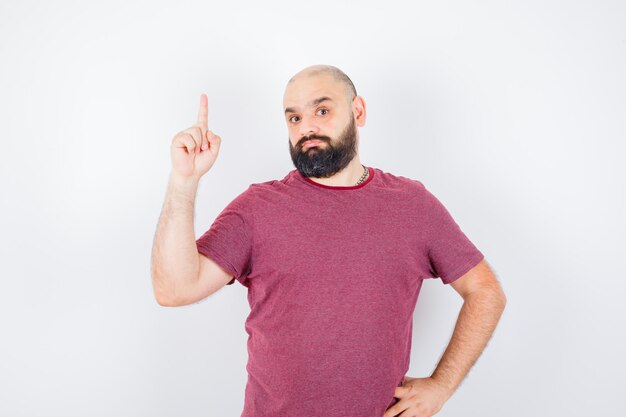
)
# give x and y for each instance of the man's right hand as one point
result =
(194, 150)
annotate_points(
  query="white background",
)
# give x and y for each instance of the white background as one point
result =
(511, 113)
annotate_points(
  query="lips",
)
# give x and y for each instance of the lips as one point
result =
(310, 143)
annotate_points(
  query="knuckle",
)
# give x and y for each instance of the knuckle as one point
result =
(180, 137)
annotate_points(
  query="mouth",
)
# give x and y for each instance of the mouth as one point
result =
(310, 143)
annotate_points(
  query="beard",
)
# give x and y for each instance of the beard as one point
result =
(323, 161)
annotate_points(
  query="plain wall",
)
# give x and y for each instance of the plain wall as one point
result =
(511, 113)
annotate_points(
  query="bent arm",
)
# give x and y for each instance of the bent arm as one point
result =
(175, 258)
(483, 304)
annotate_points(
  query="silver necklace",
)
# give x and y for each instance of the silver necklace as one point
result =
(365, 174)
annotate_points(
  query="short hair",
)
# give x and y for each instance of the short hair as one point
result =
(333, 71)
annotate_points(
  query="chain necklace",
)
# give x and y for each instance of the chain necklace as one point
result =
(364, 176)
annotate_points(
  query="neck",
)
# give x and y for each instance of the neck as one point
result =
(344, 178)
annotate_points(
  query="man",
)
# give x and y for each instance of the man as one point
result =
(333, 256)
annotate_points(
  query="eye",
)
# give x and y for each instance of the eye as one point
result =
(323, 109)
(290, 119)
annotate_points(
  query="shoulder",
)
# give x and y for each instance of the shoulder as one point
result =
(263, 189)
(260, 191)
(399, 182)
(413, 189)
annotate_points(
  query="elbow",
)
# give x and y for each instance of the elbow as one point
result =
(163, 296)
(496, 295)
(165, 302)
(492, 295)
(502, 297)
(500, 301)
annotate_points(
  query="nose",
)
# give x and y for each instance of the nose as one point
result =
(307, 127)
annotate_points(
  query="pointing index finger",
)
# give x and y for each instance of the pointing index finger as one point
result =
(203, 113)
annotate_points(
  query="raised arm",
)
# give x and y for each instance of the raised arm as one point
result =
(175, 261)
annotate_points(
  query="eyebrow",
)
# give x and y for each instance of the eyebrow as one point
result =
(311, 103)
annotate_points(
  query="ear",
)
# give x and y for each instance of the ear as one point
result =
(359, 110)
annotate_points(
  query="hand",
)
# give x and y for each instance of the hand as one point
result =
(418, 397)
(195, 149)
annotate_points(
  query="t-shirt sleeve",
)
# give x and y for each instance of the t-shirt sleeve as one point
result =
(229, 239)
(450, 252)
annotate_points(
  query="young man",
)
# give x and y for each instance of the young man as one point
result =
(333, 256)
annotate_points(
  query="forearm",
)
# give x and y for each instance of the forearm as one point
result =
(475, 324)
(175, 259)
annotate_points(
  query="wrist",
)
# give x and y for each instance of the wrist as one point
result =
(183, 187)
(181, 181)
(445, 386)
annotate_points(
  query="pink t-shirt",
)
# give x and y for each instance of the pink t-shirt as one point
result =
(333, 275)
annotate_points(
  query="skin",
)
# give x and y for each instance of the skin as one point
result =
(483, 298)
(194, 151)
(483, 304)
(329, 118)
